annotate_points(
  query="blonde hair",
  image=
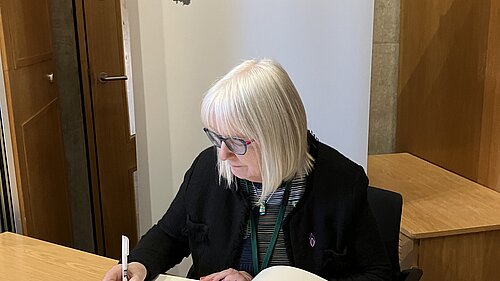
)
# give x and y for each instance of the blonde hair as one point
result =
(257, 99)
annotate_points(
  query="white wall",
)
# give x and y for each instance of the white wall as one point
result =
(150, 97)
(325, 45)
(326, 48)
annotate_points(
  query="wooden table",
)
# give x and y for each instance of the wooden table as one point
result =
(23, 258)
(450, 226)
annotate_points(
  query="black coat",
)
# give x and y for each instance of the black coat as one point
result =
(208, 221)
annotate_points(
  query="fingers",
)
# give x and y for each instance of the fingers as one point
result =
(246, 275)
(136, 278)
(114, 274)
(228, 275)
(136, 272)
(223, 274)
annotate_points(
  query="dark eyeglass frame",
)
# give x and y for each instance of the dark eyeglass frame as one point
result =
(217, 140)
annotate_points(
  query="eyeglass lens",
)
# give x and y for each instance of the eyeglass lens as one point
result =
(235, 145)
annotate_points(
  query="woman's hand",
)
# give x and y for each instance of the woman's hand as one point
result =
(136, 272)
(228, 275)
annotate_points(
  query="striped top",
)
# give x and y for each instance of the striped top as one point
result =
(265, 223)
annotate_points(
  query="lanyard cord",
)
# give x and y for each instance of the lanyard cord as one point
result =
(277, 227)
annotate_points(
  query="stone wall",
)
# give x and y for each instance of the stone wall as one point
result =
(384, 83)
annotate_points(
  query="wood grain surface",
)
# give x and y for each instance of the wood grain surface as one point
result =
(24, 258)
(436, 202)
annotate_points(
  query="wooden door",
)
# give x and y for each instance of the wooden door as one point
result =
(114, 158)
(34, 114)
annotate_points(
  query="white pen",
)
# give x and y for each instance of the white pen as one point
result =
(124, 258)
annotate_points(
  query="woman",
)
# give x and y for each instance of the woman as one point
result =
(268, 193)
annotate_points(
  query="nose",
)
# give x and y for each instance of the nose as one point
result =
(224, 152)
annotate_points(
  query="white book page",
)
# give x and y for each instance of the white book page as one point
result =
(164, 277)
(286, 273)
(274, 273)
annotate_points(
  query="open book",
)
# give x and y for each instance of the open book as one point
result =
(274, 273)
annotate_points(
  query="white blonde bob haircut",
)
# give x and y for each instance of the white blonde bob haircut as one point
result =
(257, 100)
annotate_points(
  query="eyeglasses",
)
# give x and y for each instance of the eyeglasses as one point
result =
(236, 145)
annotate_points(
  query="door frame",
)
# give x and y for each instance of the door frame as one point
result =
(89, 126)
(18, 226)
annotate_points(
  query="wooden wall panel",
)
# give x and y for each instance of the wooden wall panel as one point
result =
(446, 51)
(27, 17)
(34, 114)
(489, 157)
(460, 257)
(46, 181)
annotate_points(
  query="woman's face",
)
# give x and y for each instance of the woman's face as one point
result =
(243, 166)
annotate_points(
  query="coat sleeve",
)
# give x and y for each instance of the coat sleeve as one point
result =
(165, 244)
(369, 252)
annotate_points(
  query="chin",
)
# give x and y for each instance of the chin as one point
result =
(237, 173)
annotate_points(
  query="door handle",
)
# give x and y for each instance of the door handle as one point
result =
(50, 77)
(104, 77)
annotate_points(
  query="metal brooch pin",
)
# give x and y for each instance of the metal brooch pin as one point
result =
(312, 240)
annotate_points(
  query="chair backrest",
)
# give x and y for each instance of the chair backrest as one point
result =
(386, 208)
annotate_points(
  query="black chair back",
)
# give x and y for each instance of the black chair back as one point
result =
(386, 208)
